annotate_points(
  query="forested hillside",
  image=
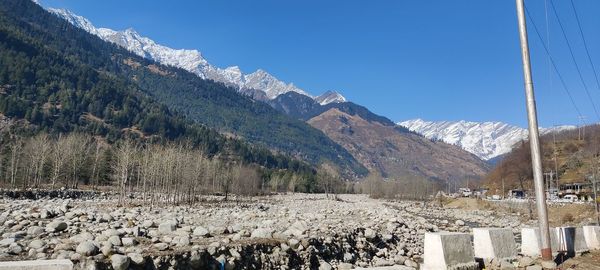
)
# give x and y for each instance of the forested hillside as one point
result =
(573, 154)
(57, 84)
(78, 81)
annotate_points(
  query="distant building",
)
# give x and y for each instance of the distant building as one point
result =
(516, 193)
(578, 189)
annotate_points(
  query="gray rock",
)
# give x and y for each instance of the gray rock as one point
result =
(45, 214)
(505, 265)
(15, 249)
(370, 233)
(534, 267)
(57, 226)
(548, 264)
(325, 266)
(161, 246)
(136, 258)
(294, 243)
(459, 223)
(148, 224)
(119, 262)
(106, 250)
(262, 233)
(183, 241)
(35, 230)
(65, 206)
(87, 248)
(167, 227)
(200, 231)
(345, 266)
(411, 263)
(106, 217)
(35, 244)
(129, 241)
(7, 241)
(115, 240)
(525, 261)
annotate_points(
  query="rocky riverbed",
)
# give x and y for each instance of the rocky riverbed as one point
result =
(288, 231)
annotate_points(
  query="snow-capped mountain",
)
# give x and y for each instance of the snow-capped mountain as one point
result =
(190, 60)
(273, 87)
(330, 97)
(484, 139)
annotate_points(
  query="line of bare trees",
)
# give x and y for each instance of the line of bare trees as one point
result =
(42, 161)
(171, 173)
(411, 188)
(158, 173)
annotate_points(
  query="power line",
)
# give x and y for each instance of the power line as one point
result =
(585, 44)
(574, 60)
(553, 63)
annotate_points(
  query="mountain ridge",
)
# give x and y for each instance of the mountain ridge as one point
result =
(487, 140)
(397, 153)
(193, 61)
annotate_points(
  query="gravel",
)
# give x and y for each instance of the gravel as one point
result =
(352, 230)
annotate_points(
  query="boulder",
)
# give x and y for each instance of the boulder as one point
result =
(370, 233)
(200, 231)
(262, 233)
(136, 258)
(119, 262)
(57, 226)
(37, 243)
(167, 227)
(87, 248)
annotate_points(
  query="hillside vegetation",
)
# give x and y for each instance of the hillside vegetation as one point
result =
(396, 153)
(47, 59)
(576, 158)
(54, 82)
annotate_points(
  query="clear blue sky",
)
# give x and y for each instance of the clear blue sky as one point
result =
(437, 60)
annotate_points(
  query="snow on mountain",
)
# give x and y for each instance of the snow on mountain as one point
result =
(273, 87)
(486, 139)
(330, 97)
(190, 60)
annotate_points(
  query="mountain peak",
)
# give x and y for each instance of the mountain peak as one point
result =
(74, 19)
(330, 96)
(132, 32)
(262, 80)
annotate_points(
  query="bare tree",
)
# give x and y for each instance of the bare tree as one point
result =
(59, 158)
(78, 148)
(36, 151)
(99, 151)
(124, 155)
(15, 159)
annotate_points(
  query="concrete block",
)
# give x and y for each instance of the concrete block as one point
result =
(494, 243)
(571, 240)
(592, 236)
(531, 242)
(37, 265)
(448, 250)
(580, 243)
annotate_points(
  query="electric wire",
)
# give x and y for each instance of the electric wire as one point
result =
(574, 60)
(585, 44)
(560, 77)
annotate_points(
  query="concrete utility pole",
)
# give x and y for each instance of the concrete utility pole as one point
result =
(581, 125)
(556, 161)
(536, 158)
(595, 188)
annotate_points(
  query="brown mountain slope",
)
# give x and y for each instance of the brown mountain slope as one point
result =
(394, 153)
(576, 158)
